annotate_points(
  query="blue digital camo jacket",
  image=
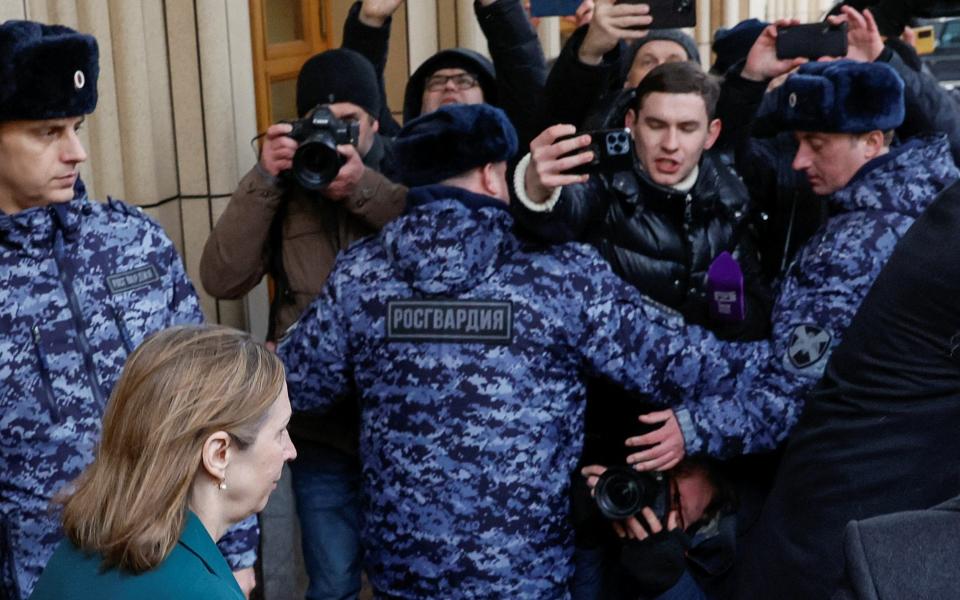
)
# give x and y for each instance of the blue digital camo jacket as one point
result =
(81, 285)
(818, 297)
(467, 347)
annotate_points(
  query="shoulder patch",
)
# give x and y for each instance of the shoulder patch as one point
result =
(807, 347)
(139, 277)
(451, 321)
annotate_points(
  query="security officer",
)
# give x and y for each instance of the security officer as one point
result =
(81, 285)
(468, 347)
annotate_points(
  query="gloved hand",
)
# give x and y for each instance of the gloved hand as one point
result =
(655, 560)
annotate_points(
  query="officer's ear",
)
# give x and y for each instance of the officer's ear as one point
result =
(874, 143)
(493, 178)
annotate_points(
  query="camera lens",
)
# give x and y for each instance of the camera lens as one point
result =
(316, 162)
(622, 492)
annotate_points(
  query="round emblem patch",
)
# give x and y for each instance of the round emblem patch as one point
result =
(79, 80)
(792, 99)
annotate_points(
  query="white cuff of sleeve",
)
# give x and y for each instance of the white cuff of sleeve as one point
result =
(519, 180)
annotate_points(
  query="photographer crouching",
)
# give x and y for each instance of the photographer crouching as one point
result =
(659, 535)
(316, 189)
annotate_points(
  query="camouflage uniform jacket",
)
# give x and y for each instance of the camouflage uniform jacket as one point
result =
(81, 285)
(468, 349)
(756, 407)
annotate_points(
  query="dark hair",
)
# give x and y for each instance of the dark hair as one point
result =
(680, 78)
(725, 498)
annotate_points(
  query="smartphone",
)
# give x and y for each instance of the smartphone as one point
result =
(669, 14)
(553, 8)
(613, 151)
(926, 41)
(812, 41)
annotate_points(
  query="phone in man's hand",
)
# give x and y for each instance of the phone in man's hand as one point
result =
(813, 41)
(613, 151)
(669, 14)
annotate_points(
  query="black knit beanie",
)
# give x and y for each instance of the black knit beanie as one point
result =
(339, 75)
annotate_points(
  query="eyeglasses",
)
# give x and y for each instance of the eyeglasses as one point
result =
(461, 81)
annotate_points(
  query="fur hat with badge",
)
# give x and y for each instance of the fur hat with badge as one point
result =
(452, 140)
(841, 96)
(46, 71)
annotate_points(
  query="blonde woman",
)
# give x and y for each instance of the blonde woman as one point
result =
(194, 438)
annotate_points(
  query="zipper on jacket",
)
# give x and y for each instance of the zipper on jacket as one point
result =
(124, 334)
(49, 399)
(78, 326)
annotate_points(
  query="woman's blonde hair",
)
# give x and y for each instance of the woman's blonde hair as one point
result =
(181, 385)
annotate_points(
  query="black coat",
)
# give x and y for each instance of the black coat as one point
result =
(879, 433)
(903, 556)
(663, 241)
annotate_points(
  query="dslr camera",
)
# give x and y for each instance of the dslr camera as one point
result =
(622, 492)
(316, 161)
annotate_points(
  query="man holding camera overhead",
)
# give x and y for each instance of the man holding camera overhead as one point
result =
(289, 218)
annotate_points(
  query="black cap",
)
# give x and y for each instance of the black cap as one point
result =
(339, 75)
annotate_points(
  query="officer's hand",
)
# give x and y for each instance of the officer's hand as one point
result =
(666, 443)
(247, 579)
(762, 62)
(344, 184)
(545, 172)
(864, 43)
(592, 473)
(276, 154)
(610, 24)
(374, 13)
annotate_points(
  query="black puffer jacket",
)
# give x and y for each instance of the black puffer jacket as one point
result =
(661, 240)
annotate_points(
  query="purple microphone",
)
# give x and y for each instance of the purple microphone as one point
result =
(725, 289)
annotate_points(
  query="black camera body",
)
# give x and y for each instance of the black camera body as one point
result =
(316, 161)
(613, 151)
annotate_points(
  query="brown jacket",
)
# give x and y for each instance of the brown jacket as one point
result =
(312, 231)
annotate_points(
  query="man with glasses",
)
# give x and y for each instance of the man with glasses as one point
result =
(513, 81)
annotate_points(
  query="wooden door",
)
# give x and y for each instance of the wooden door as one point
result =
(285, 34)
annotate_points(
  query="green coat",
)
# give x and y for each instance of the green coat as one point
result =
(194, 569)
